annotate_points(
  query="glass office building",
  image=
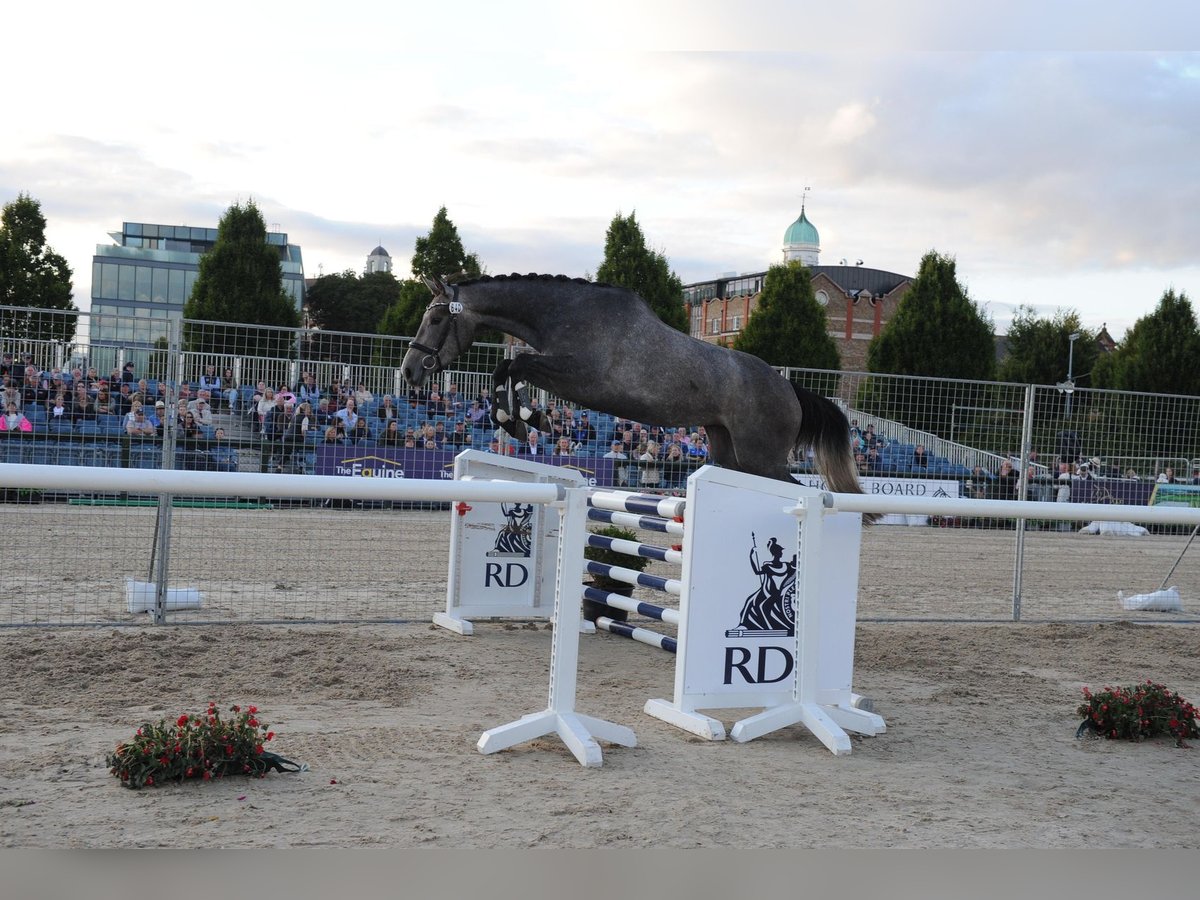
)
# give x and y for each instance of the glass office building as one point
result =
(142, 280)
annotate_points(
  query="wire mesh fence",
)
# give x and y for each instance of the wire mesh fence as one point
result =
(210, 396)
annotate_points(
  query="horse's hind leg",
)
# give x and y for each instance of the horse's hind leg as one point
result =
(720, 446)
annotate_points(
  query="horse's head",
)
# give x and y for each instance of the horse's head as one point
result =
(446, 331)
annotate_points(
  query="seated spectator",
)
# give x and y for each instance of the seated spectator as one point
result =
(188, 429)
(476, 414)
(35, 388)
(675, 466)
(127, 374)
(1005, 485)
(362, 396)
(391, 436)
(323, 416)
(103, 400)
(860, 463)
(265, 404)
(649, 475)
(1195, 476)
(1166, 476)
(224, 457)
(616, 451)
(14, 420)
(202, 409)
(870, 439)
(13, 395)
(920, 459)
(454, 400)
(533, 444)
(210, 381)
(562, 447)
(458, 438)
(333, 435)
(157, 416)
(874, 463)
(361, 433)
(979, 485)
(286, 393)
(137, 424)
(307, 390)
(122, 400)
(348, 415)
(304, 421)
(436, 406)
(83, 407)
(410, 443)
(58, 410)
(387, 409)
(584, 432)
(229, 390)
(696, 448)
(439, 434)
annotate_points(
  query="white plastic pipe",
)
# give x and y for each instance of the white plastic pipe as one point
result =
(1015, 509)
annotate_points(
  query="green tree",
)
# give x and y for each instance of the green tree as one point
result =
(630, 264)
(440, 253)
(240, 285)
(1039, 348)
(342, 306)
(33, 275)
(1159, 354)
(789, 327)
(938, 331)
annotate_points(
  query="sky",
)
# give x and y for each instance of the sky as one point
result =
(1051, 148)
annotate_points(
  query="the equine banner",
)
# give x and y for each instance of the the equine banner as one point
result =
(373, 461)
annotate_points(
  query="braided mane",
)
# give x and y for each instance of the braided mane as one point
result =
(532, 276)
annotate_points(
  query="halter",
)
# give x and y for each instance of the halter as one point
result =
(454, 307)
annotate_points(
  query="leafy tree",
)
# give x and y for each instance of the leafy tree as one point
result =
(403, 316)
(1159, 354)
(789, 327)
(33, 275)
(240, 284)
(343, 305)
(1039, 349)
(440, 253)
(937, 330)
(630, 264)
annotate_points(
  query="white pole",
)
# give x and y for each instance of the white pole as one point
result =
(94, 479)
(1016, 509)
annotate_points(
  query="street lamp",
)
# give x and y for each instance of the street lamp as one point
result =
(1068, 386)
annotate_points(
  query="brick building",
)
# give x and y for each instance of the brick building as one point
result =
(858, 300)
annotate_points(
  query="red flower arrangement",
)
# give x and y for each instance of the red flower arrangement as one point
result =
(1137, 712)
(197, 746)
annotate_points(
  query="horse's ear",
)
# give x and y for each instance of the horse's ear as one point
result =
(435, 285)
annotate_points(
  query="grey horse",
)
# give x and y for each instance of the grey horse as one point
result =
(603, 348)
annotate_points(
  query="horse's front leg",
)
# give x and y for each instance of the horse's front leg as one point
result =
(538, 370)
(503, 402)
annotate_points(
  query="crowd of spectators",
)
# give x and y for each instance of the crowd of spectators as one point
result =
(287, 422)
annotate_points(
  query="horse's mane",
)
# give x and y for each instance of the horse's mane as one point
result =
(532, 276)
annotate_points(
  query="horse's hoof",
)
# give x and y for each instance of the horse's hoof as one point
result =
(526, 413)
(501, 416)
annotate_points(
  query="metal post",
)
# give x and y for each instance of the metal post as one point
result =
(161, 565)
(1022, 486)
(1072, 338)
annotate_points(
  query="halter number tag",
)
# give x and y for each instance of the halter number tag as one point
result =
(455, 307)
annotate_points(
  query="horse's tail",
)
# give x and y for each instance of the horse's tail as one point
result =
(824, 427)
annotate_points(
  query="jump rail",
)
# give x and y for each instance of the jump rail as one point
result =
(1014, 509)
(94, 479)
